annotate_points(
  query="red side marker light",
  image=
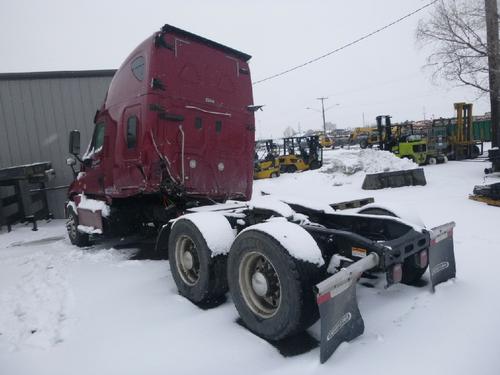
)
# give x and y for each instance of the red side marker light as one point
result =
(323, 298)
(397, 273)
(423, 259)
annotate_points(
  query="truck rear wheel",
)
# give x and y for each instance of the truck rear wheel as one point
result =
(199, 277)
(412, 272)
(271, 290)
(75, 236)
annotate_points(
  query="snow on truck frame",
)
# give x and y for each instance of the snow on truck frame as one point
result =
(173, 146)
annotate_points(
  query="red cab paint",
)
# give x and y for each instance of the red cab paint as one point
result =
(177, 122)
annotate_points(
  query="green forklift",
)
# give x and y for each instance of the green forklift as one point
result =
(401, 141)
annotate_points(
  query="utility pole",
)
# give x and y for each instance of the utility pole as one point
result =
(493, 67)
(323, 111)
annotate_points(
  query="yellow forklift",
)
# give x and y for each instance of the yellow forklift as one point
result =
(326, 141)
(461, 143)
(266, 161)
(301, 153)
(366, 137)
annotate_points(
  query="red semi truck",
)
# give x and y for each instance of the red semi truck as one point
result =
(173, 148)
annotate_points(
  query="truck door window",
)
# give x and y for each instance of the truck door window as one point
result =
(131, 132)
(137, 67)
(98, 137)
(218, 126)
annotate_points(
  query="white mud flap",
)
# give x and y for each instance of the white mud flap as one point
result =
(338, 307)
(441, 255)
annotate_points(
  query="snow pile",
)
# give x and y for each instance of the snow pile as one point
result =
(297, 241)
(94, 205)
(368, 161)
(214, 228)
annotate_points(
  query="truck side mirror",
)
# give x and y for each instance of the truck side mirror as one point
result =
(74, 142)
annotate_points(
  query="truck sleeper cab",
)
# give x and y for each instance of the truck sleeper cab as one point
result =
(177, 125)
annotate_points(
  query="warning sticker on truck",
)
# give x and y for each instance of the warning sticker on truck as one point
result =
(358, 252)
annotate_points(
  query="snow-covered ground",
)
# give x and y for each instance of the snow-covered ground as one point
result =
(65, 310)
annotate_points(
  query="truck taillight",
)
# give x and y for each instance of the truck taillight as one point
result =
(397, 273)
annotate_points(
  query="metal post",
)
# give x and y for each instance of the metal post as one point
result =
(323, 112)
(493, 67)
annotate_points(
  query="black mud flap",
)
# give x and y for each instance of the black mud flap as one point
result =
(441, 254)
(410, 177)
(338, 307)
(340, 320)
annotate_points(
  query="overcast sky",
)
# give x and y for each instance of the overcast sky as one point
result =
(380, 75)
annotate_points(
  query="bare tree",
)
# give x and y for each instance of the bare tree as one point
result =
(455, 31)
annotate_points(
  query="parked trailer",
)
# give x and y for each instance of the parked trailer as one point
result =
(173, 149)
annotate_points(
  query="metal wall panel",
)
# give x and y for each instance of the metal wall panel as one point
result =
(37, 111)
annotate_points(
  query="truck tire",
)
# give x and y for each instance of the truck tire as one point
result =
(363, 143)
(475, 152)
(412, 273)
(271, 290)
(75, 236)
(199, 277)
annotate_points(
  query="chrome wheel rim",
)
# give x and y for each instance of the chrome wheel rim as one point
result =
(260, 285)
(186, 260)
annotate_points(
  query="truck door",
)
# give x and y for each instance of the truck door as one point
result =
(129, 171)
(98, 159)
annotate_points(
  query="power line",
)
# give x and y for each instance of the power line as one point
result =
(346, 45)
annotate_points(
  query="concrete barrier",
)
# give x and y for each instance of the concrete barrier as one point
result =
(410, 177)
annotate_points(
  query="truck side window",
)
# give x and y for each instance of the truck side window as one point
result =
(137, 67)
(132, 132)
(98, 137)
(197, 123)
(218, 126)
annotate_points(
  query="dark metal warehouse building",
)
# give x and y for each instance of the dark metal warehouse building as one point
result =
(37, 111)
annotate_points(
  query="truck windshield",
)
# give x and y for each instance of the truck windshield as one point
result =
(98, 137)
